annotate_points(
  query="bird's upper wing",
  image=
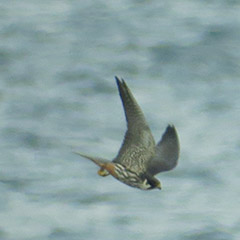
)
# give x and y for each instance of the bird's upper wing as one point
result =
(138, 146)
(167, 152)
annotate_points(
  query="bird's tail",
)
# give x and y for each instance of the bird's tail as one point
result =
(99, 161)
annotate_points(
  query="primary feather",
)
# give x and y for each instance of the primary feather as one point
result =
(138, 146)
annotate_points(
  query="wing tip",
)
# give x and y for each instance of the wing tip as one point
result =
(117, 79)
(122, 87)
(171, 127)
(120, 81)
(170, 132)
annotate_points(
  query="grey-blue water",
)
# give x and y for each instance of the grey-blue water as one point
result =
(58, 60)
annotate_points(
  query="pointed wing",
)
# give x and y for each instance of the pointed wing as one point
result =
(96, 160)
(167, 152)
(138, 145)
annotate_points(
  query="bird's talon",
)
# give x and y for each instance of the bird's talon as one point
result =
(103, 172)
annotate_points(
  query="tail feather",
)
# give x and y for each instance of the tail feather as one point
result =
(99, 161)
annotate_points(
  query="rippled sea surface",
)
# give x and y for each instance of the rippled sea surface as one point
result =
(58, 60)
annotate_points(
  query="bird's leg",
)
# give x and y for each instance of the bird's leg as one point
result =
(106, 169)
(103, 172)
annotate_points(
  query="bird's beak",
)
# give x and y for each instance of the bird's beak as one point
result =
(159, 186)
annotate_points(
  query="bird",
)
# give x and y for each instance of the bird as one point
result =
(139, 158)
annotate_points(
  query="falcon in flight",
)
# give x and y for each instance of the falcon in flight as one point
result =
(139, 158)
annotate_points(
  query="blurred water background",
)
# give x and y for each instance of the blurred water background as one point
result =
(58, 60)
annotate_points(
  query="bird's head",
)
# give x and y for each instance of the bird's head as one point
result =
(151, 183)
